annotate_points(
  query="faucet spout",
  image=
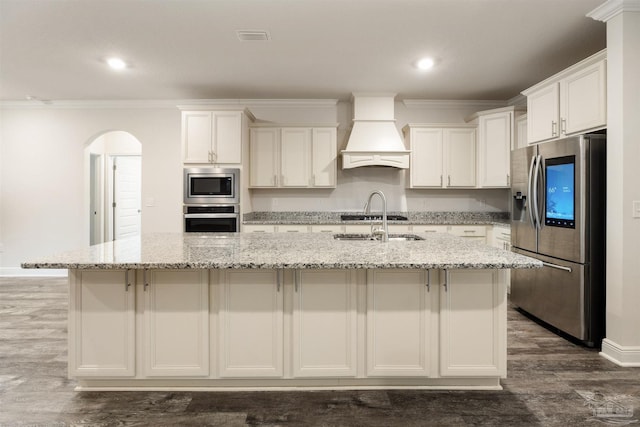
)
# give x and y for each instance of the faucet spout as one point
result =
(384, 232)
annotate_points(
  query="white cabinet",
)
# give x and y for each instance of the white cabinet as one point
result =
(472, 324)
(501, 238)
(324, 323)
(423, 228)
(520, 136)
(295, 157)
(570, 102)
(398, 323)
(495, 141)
(293, 228)
(473, 233)
(327, 228)
(258, 228)
(264, 165)
(176, 323)
(212, 137)
(250, 323)
(102, 323)
(442, 157)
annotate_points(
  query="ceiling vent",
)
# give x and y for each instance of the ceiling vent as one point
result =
(253, 35)
(374, 138)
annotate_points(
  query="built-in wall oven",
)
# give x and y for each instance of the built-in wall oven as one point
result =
(211, 200)
(211, 219)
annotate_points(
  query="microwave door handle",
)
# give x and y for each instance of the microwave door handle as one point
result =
(530, 192)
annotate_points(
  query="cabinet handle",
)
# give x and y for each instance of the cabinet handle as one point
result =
(296, 278)
(275, 179)
(144, 279)
(440, 180)
(128, 284)
(446, 280)
(293, 231)
(449, 180)
(279, 279)
(428, 281)
(470, 231)
(563, 126)
(508, 179)
(554, 130)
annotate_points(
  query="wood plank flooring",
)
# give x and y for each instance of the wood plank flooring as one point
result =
(551, 382)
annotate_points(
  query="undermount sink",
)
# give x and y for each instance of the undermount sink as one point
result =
(392, 237)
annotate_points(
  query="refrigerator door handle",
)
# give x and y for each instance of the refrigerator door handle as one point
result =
(556, 266)
(536, 196)
(530, 191)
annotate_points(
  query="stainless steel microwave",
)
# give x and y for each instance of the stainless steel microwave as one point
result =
(206, 186)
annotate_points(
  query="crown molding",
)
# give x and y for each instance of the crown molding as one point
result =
(167, 103)
(448, 103)
(612, 8)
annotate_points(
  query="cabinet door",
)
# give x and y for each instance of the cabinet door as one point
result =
(542, 114)
(258, 228)
(227, 128)
(520, 136)
(323, 157)
(176, 323)
(494, 146)
(324, 323)
(295, 157)
(426, 158)
(583, 100)
(460, 155)
(398, 322)
(263, 157)
(472, 324)
(250, 324)
(197, 136)
(102, 323)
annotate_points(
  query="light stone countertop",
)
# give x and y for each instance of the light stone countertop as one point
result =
(423, 218)
(283, 250)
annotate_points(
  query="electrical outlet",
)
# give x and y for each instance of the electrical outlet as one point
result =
(636, 209)
(150, 201)
(274, 202)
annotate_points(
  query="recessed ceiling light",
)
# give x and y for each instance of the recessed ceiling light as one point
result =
(253, 35)
(425, 64)
(116, 63)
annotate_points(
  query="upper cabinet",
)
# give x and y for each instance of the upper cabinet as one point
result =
(570, 102)
(293, 157)
(212, 136)
(442, 156)
(495, 142)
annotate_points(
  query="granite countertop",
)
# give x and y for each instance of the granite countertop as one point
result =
(283, 250)
(426, 218)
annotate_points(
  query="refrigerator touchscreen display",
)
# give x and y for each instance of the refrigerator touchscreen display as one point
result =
(560, 192)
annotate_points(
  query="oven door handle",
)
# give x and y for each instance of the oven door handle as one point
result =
(208, 215)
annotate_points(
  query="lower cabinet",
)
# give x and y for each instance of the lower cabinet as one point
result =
(176, 323)
(102, 323)
(250, 323)
(324, 323)
(284, 327)
(472, 324)
(398, 323)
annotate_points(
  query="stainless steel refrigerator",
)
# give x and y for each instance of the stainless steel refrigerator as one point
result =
(558, 216)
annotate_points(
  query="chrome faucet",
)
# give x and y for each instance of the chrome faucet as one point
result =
(384, 231)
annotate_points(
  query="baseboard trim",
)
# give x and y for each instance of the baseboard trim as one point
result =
(626, 356)
(32, 272)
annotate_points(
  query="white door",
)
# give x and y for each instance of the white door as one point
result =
(127, 180)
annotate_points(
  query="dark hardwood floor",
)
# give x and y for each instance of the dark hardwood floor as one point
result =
(551, 382)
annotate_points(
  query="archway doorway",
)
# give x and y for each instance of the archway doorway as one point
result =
(114, 165)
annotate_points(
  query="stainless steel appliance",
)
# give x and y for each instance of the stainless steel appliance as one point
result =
(558, 217)
(212, 219)
(211, 200)
(205, 186)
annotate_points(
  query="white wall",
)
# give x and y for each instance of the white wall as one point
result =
(43, 207)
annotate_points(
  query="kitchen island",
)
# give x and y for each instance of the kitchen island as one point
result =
(273, 311)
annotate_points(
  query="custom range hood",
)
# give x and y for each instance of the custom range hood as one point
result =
(374, 138)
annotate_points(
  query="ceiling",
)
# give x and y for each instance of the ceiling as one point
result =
(189, 49)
